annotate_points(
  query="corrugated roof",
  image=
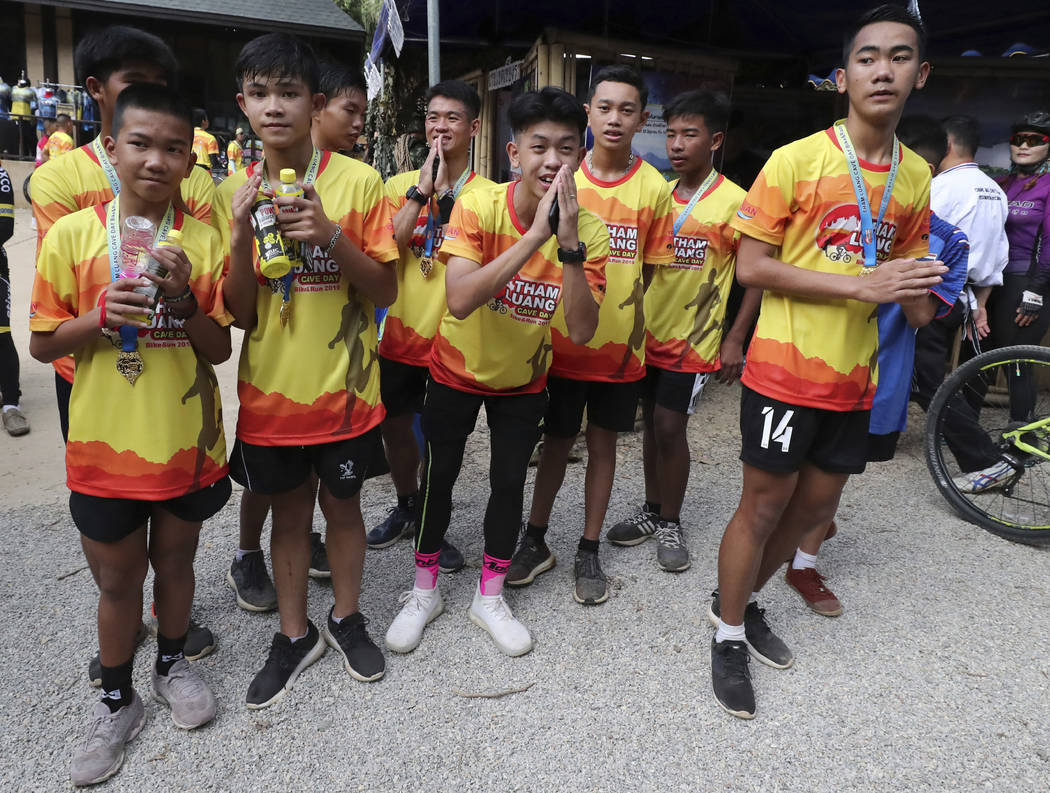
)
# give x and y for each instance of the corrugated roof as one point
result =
(316, 17)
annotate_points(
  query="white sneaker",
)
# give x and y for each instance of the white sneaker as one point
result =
(421, 607)
(492, 613)
(995, 475)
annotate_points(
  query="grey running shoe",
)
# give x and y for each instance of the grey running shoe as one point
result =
(635, 530)
(95, 664)
(101, 753)
(250, 581)
(532, 558)
(15, 422)
(765, 645)
(671, 554)
(191, 701)
(318, 557)
(591, 586)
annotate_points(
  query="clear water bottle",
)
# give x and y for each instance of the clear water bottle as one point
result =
(151, 290)
(136, 240)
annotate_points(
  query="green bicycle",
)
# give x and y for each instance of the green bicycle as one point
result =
(1002, 394)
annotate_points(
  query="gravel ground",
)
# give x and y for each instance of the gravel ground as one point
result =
(925, 683)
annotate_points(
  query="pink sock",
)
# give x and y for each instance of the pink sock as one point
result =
(493, 573)
(427, 570)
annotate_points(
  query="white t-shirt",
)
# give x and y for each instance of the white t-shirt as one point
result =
(966, 197)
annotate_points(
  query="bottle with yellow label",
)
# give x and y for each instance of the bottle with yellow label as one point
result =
(273, 260)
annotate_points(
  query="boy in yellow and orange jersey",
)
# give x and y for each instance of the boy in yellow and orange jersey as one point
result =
(204, 144)
(603, 375)
(125, 467)
(60, 141)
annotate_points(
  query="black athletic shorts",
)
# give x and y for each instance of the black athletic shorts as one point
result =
(882, 447)
(402, 386)
(778, 436)
(611, 406)
(112, 519)
(341, 465)
(676, 391)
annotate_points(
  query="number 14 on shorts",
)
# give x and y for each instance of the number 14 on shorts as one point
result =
(782, 433)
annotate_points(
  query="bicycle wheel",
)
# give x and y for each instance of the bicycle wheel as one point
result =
(1013, 501)
(25, 188)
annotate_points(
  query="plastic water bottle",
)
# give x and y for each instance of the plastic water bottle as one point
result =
(291, 188)
(151, 290)
(136, 239)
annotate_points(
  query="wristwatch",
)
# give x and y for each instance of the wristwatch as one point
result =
(578, 256)
(414, 194)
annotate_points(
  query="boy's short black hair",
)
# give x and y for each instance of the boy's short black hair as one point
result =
(925, 136)
(459, 91)
(965, 131)
(280, 56)
(884, 13)
(199, 114)
(337, 78)
(63, 118)
(619, 73)
(156, 99)
(712, 105)
(104, 51)
(547, 104)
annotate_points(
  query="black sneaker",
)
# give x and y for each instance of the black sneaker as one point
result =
(532, 558)
(765, 645)
(318, 557)
(362, 659)
(591, 587)
(251, 583)
(95, 664)
(199, 641)
(283, 665)
(731, 678)
(399, 523)
(450, 559)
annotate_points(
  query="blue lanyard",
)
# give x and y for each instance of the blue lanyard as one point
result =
(129, 336)
(432, 223)
(867, 230)
(710, 180)
(107, 166)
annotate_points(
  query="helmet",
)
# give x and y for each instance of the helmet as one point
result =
(1038, 121)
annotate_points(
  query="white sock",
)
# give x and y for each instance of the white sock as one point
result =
(729, 633)
(241, 553)
(804, 560)
(338, 620)
(10, 407)
(753, 598)
(294, 639)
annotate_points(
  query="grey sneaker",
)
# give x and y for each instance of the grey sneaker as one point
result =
(250, 581)
(532, 558)
(635, 530)
(671, 554)
(101, 754)
(15, 422)
(591, 586)
(191, 701)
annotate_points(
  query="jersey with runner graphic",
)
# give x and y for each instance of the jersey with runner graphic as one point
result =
(64, 185)
(822, 353)
(685, 305)
(204, 145)
(505, 346)
(162, 437)
(234, 157)
(412, 320)
(637, 211)
(58, 143)
(316, 379)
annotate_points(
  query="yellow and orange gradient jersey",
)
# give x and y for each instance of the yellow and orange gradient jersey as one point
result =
(637, 211)
(817, 352)
(685, 305)
(505, 346)
(162, 437)
(316, 379)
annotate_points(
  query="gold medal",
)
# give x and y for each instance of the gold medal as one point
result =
(286, 313)
(129, 364)
(426, 266)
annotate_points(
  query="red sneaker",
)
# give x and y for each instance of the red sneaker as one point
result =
(810, 584)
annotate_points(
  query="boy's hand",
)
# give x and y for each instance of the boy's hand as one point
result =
(178, 266)
(540, 230)
(121, 300)
(308, 223)
(899, 280)
(427, 184)
(241, 203)
(568, 210)
(731, 354)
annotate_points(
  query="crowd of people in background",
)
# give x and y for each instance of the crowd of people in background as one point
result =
(559, 302)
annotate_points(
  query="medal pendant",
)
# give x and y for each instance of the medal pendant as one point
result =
(426, 266)
(129, 364)
(286, 313)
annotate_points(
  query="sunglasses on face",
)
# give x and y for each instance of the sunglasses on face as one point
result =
(1031, 138)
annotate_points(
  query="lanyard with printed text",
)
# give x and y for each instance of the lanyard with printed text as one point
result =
(710, 180)
(867, 229)
(426, 262)
(308, 178)
(107, 166)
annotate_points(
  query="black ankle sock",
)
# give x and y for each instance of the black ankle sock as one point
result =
(116, 685)
(652, 507)
(408, 502)
(588, 545)
(536, 532)
(169, 651)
